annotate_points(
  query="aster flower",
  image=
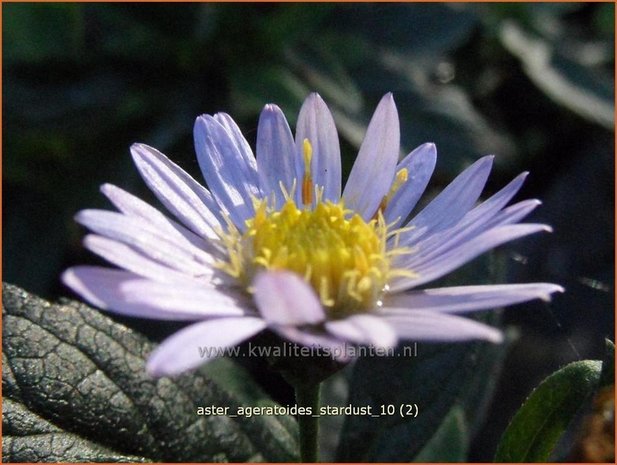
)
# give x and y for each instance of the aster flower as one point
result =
(273, 243)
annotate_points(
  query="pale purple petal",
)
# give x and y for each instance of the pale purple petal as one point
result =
(470, 298)
(334, 347)
(451, 204)
(363, 329)
(130, 259)
(134, 206)
(199, 343)
(458, 256)
(284, 298)
(438, 327)
(197, 298)
(420, 164)
(276, 163)
(496, 202)
(190, 202)
(514, 213)
(481, 218)
(230, 172)
(316, 124)
(373, 171)
(237, 138)
(149, 240)
(99, 286)
(439, 244)
(127, 294)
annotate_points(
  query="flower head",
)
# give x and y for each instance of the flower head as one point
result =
(273, 243)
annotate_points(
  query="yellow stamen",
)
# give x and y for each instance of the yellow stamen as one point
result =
(343, 257)
(307, 180)
(401, 178)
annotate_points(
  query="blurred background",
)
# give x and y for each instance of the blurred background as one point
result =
(531, 83)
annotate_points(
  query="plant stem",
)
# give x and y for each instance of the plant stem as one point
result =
(307, 395)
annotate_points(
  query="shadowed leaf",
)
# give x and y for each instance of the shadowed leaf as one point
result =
(74, 380)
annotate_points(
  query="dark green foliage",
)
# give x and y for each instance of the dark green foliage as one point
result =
(538, 425)
(75, 389)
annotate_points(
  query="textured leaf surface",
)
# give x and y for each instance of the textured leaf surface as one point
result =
(545, 415)
(75, 389)
(28, 437)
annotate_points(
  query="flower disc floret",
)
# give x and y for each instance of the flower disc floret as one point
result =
(340, 255)
(318, 264)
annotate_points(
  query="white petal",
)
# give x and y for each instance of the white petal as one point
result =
(316, 124)
(438, 327)
(181, 194)
(283, 298)
(276, 163)
(470, 298)
(373, 171)
(199, 343)
(364, 329)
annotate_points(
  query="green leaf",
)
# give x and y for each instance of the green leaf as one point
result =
(28, 437)
(75, 389)
(450, 442)
(420, 29)
(608, 365)
(582, 89)
(37, 33)
(537, 426)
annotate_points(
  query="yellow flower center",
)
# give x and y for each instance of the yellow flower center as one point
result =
(343, 257)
